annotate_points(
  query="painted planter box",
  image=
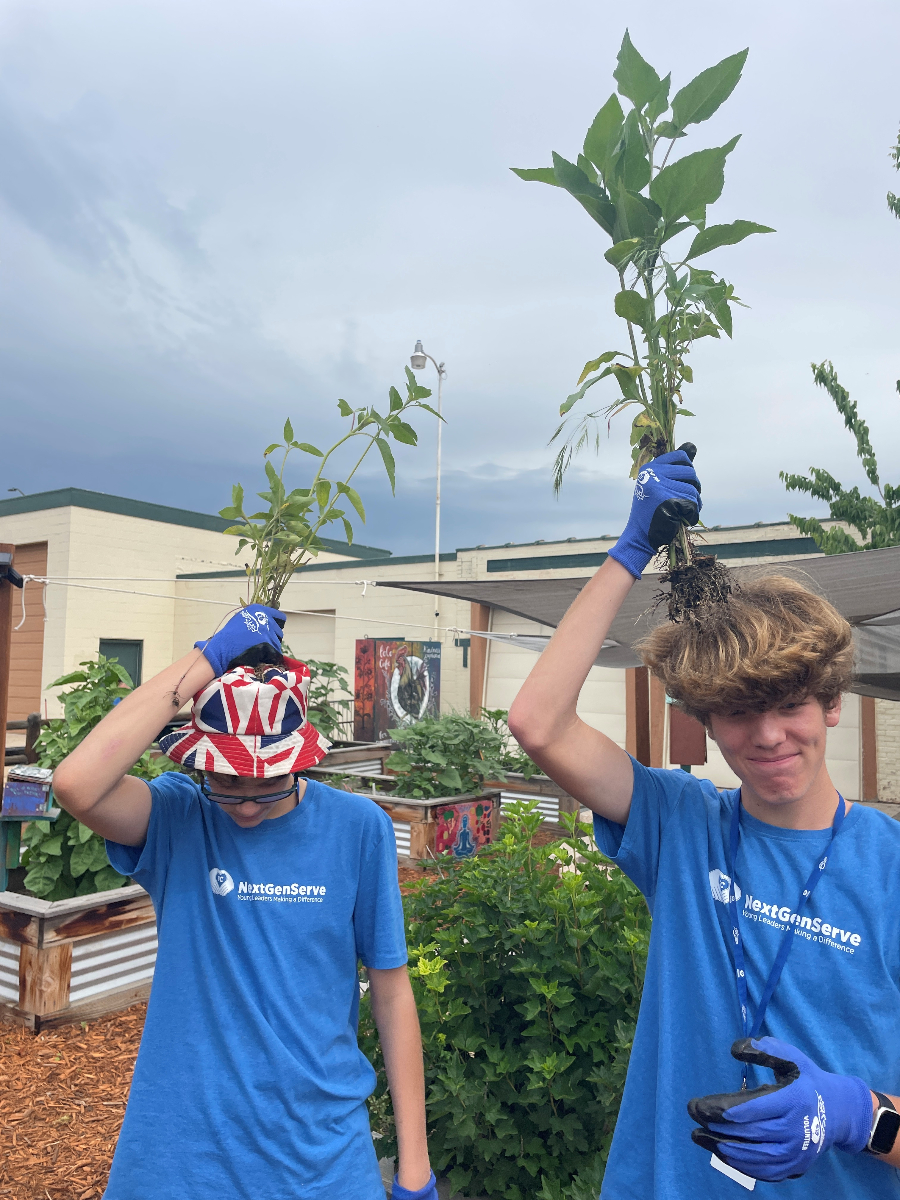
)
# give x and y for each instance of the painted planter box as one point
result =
(457, 825)
(74, 960)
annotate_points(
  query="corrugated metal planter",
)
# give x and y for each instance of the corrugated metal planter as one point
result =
(74, 960)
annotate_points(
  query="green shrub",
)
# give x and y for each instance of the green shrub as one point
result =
(330, 698)
(446, 756)
(514, 757)
(64, 858)
(527, 965)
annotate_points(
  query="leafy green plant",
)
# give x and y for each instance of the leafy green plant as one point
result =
(877, 523)
(450, 755)
(330, 698)
(285, 535)
(64, 858)
(514, 757)
(527, 963)
(643, 202)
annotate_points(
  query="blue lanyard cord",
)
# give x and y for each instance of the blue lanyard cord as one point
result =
(787, 940)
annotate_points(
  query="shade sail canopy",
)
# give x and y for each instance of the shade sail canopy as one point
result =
(864, 587)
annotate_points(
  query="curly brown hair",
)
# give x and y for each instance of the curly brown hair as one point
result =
(773, 641)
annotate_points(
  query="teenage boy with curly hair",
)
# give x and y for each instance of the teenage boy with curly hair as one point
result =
(269, 888)
(776, 931)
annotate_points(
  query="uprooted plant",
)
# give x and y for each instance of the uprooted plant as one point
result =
(286, 534)
(625, 181)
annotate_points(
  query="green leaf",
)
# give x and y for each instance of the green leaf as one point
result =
(579, 395)
(41, 878)
(288, 431)
(692, 181)
(91, 856)
(537, 175)
(596, 363)
(627, 380)
(237, 496)
(404, 433)
(634, 217)
(388, 459)
(109, 878)
(395, 401)
(633, 166)
(668, 130)
(72, 677)
(591, 197)
(268, 450)
(660, 101)
(353, 497)
(632, 306)
(635, 77)
(348, 532)
(344, 408)
(308, 449)
(621, 253)
(699, 99)
(602, 138)
(723, 235)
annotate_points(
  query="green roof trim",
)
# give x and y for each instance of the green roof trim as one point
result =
(163, 513)
(394, 560)
(776, 548)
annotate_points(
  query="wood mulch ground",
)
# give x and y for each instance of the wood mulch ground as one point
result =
(62, 1098)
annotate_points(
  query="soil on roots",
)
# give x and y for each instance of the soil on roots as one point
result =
(695, 587)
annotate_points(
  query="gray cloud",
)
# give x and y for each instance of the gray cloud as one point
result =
(209, 222)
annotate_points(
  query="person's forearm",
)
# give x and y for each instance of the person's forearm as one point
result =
(112, 748)
(394, 1009)
(546, 703)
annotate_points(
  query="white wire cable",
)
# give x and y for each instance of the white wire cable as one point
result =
(294, 612)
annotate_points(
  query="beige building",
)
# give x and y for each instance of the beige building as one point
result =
(144, 581)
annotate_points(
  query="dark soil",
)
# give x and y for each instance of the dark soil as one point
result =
(695, 587)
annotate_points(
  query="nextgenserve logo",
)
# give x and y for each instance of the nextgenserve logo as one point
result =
(220, 881)
(721, 888)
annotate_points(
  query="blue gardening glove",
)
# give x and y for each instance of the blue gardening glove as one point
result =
(778, 1131)
(666, 496)
(428, 1192)
(252, 627)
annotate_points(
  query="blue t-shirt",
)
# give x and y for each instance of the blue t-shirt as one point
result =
(838, 999)
(249, 1082)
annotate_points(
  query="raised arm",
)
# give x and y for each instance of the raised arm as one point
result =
(93, 783)
(587, 763)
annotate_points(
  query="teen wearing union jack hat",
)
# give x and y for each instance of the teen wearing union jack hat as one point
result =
(269, 889)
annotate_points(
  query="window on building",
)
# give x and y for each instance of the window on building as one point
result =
(129, 654)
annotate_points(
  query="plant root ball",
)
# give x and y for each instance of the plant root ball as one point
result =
(695, 587)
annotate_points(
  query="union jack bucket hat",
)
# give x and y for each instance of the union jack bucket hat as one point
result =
(241, 725)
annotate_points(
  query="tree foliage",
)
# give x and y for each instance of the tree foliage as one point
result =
(286, 534)
(877, 521)
(527, 963)
(643, 202)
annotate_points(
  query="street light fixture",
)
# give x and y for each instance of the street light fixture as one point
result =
(419, 361)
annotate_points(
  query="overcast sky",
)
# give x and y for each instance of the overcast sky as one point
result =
(214, 215)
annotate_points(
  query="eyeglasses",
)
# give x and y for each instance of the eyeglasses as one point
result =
(227, 798)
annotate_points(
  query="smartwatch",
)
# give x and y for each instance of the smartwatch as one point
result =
(885, 1126)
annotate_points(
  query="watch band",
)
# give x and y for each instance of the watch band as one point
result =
(884, 1101)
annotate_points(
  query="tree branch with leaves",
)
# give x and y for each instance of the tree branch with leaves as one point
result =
(287, 534)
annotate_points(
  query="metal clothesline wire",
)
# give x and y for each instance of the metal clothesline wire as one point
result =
(296, 612)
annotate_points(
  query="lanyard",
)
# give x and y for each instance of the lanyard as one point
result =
(787, 940)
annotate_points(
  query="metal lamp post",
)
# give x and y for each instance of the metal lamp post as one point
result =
(419, 361)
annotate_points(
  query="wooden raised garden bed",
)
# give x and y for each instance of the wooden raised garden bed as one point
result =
(426, 829)
(74, 960)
